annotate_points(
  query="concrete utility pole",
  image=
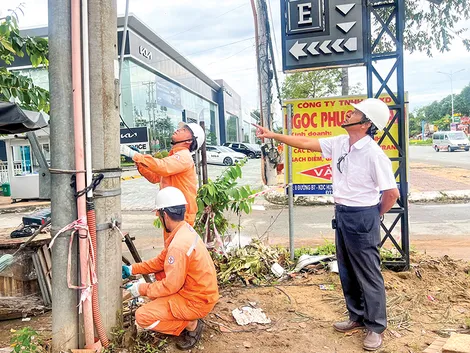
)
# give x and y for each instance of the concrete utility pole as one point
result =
(450, 75)
(265, 78)
(104, 92)
(344, 81)
(64, 300)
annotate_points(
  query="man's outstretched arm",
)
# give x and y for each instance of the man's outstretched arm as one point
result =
(302, 142)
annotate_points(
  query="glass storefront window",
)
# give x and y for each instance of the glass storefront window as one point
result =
(231, 129)
(151, 100)
(246, 132)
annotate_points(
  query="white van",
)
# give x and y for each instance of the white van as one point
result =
(450, 141)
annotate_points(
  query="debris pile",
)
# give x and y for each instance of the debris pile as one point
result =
(251, 264)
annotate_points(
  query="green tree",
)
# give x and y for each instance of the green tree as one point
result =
(414, 124)
(443, 123)
(462, 102)
(313, 84)
(13, 84)
(437, 110)
(164, 128)
(432, 112)
(429, 26)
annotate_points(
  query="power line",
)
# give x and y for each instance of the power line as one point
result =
(205, 24)
(221, 46)
(271, 50)
(198, 52)
(274, 32)
(238, 70)
(228, 57)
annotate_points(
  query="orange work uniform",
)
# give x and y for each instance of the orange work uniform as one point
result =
(186, 287)
(176, 170)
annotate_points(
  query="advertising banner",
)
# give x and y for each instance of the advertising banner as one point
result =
(322, 118)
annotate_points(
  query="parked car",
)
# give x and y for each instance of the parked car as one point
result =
(450, 141)
(248, 149)
(223, 155)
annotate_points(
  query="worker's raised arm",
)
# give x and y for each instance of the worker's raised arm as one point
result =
(302, 142)
(171, 165)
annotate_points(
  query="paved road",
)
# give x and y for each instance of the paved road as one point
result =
(139, 194)
(437, 229)
(426, 154)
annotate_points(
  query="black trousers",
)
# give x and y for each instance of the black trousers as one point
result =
(357, 251)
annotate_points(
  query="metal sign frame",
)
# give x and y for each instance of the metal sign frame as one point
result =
(337, 60)
(389, 16)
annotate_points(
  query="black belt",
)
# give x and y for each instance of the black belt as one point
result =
(343, 208)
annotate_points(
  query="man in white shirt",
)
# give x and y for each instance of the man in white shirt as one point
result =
(361, 171)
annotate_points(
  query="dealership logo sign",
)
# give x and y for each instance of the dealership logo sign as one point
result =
(322, 172)
(128, 135)
(145, 52)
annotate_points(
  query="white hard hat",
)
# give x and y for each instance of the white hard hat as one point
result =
(169, 197)
(198, 133)
(375, 110)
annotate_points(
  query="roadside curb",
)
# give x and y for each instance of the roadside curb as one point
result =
(280, 198)
(276, 197)
(21, 208)
(131, 177)
(440, 196)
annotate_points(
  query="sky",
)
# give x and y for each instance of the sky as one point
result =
(218, 37)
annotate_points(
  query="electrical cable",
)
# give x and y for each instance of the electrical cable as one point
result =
(128, 128)
(274, 32)
(205, 24)
(121, 58)
(271, 49)
(199, 52)
(228, 57)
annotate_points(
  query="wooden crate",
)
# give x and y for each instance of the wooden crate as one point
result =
(19, 279)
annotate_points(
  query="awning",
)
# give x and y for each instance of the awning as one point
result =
(14, 120)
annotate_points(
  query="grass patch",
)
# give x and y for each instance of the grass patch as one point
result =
(328, 248)
(427, 142)
(127, 164)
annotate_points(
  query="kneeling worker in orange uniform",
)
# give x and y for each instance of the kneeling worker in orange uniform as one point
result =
(186, 287)
(177, 169)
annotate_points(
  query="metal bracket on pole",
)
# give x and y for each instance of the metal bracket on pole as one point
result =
(105, 226)
(290, 188)
(109, 174)
(388, 22)
(107, 193)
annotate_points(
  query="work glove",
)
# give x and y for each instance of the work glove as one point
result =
(126, 271)
(127, 151)
(133, 288)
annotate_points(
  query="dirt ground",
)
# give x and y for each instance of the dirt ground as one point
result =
(430, 300)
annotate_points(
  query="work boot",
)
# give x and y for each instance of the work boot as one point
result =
(346, 326)
(188, 339)
(373, 341)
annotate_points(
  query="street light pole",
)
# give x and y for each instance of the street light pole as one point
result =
(450, 75)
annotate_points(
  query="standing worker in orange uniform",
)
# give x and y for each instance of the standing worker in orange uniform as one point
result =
(177, 169)
(186, 287)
